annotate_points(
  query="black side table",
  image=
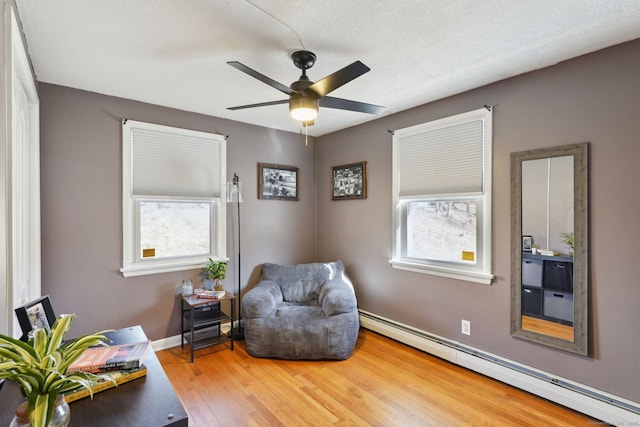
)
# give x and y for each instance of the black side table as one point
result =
(202, 320)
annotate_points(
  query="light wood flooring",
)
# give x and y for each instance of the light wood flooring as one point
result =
(384, 383)
(548, 328)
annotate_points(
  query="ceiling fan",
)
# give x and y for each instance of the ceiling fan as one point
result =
(306, 96)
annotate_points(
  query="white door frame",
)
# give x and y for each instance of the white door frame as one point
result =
(20, 217)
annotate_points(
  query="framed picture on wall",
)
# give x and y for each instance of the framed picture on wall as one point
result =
(527, 243)
(278, 182)
(35, 314)
(349, 181)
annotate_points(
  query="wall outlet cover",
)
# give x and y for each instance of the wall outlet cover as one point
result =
(466, 327)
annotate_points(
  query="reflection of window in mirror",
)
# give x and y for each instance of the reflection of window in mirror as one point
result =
(547, 201)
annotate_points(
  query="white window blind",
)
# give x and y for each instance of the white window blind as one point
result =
(170, 164)
(447, 160)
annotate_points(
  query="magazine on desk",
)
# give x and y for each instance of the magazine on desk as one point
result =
(111, 357)
(108, 380)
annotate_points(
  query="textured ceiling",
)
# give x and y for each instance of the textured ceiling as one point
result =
(174, 53)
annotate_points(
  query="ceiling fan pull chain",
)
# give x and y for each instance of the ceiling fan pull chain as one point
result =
(305, 125)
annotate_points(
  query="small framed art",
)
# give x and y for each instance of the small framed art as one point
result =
(35, 314)
(349, 181)
(278, 182)
(527, 243)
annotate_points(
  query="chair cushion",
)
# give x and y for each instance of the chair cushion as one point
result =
(301, 291)
(302, 282)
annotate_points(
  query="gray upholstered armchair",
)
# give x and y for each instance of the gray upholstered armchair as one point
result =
(305, 311)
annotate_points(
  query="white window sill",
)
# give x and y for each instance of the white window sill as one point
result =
(156, 268)
(469, 276)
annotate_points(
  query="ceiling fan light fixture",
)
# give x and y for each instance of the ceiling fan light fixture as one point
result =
(305, 96)
(303, 108)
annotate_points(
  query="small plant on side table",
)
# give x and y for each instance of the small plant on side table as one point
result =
(217, 270)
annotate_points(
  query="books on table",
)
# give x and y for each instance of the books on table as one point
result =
(106, 381)
(112, 364)
(548, 252)
(110, 357)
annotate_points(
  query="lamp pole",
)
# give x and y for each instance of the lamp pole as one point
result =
(237, 332)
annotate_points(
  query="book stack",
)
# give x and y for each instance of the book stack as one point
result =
(114, 365)
(548, 252)
(110, 357)
(205, 294)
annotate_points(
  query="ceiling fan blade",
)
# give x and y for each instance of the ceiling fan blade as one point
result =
(264, 79)
(262, 104)
(346, 104)
(339, 78)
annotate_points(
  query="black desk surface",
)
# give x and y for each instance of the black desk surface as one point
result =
(148, 401)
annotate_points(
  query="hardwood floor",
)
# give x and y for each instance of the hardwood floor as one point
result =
(548, 328)
(384, 383)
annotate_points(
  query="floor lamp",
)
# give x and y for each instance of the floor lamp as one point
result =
(234, 195)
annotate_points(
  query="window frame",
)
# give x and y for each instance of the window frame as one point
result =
(481, 271)
(132, 262)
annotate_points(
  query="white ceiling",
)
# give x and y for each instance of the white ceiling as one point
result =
(174, 53)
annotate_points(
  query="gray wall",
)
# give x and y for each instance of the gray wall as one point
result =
(594, 98)
(81, 154)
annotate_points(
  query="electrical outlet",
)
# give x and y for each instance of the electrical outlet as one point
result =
(466, 327)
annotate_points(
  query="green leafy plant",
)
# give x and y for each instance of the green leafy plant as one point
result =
(40, 366)
(567, 238)
(217, 270)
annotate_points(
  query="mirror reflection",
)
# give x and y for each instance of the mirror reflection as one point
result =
(549, 262)
(547, 202)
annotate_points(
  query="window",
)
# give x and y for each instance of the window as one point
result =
(173, 198)
(442, 197)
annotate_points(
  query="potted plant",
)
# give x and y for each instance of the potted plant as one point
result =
(40, 368)
(216, 269)
(567, 238)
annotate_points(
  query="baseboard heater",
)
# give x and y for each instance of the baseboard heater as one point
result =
(587, 400)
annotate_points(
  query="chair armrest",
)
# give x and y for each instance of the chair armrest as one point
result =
(337, 297)
(261, 300)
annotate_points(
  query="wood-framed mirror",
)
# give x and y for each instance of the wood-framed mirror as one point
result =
(550, 246)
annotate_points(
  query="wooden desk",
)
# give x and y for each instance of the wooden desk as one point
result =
(145, 402)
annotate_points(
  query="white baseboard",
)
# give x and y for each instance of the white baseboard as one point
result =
(165, 343)
(587, 400)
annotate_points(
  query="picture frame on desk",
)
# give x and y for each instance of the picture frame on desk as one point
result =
(527, 243)
(35, 314)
